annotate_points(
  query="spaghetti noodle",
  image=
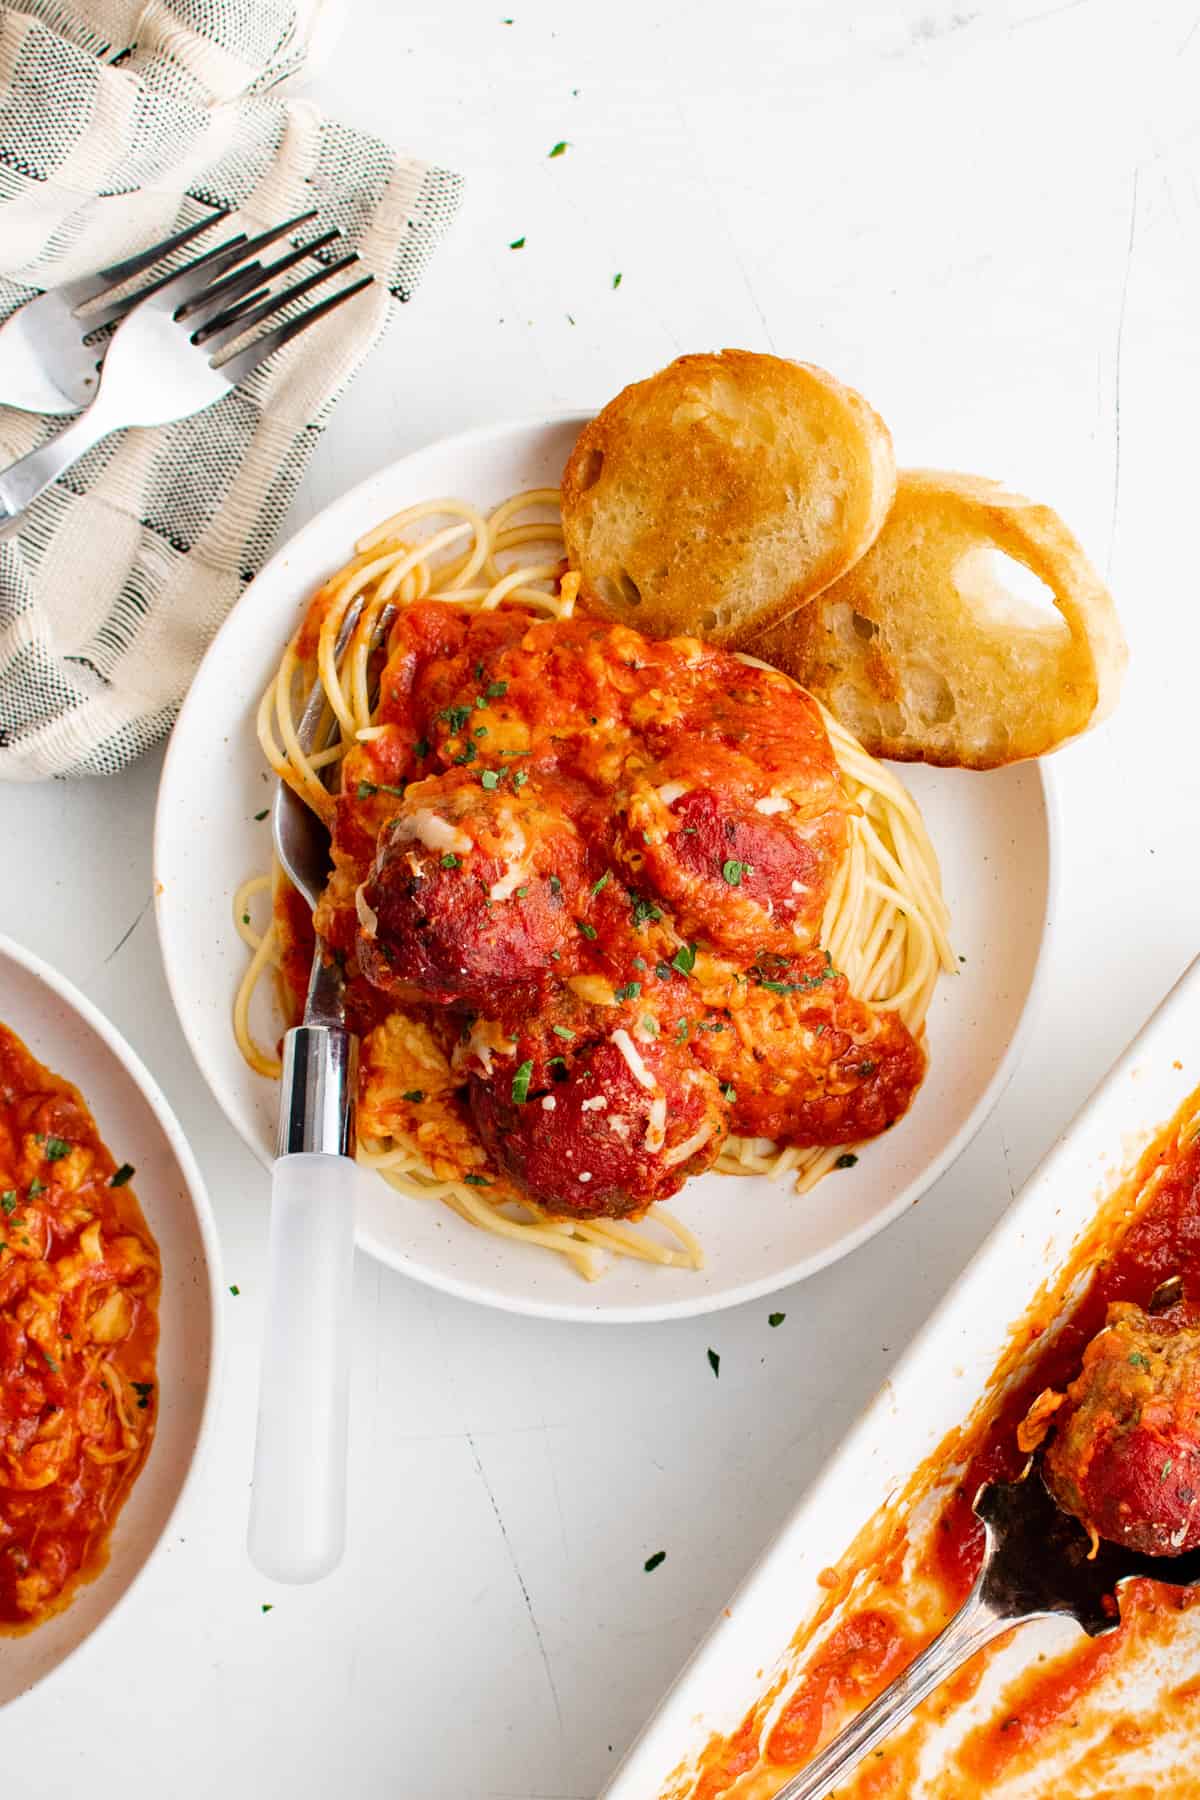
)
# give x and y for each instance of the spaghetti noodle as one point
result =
(884, 925)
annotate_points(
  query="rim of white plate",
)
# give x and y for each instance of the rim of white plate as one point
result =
(292, 553)
(197, 1189)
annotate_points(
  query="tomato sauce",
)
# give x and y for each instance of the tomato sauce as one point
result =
(1049, 1702)
(79, 1288)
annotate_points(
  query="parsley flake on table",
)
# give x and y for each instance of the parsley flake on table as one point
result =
(846, 1160)
(261, 815)
(235, 1291)
(122, 1175)
(653, 1562)
(268, 1606)
(714, 1363)
(774, 1319)
(617, 279)
(560, 148)
(517, 244)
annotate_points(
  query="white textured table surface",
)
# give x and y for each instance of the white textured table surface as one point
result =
(988, 217)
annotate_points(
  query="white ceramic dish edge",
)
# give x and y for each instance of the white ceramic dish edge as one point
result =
(935, 1384)
(123, 1053)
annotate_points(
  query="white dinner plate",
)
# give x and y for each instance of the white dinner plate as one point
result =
(994, 834)
(66, 1033)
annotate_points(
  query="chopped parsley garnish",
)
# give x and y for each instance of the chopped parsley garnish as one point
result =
(630, 991)
(36, 1187)
(714, 1363)
(496, 690)
(774, 1319)
(491, 779)
(245, 918)
(644, 912)
(56, 1149)
(663, 971)
(804, 985)
(599, 886)
(846, 1160)
(517, 244)
(563, 1031)
(1138, 1361)
(681, 1031)
(480, 731)
(520, 777)
(122, 1175)
(559, 1061)
(589, 931)
(8, 1200)
(728, 1092)
(710, 1025)
(414, 1096)
(468, 753)
(1165, 1470)
(555, 885)
(143, 1390)
(649, 1025)
(262, 814)
(477, 1181)
(520, 1082)
(559, 148)
(733, 871)
(235, 1291)
(653, 1562)
(522, 892)
(455, 716)
(421, 747)
(50, 1362)
(450, 861)
(366, 789)
(684, 959)
(867, 1068)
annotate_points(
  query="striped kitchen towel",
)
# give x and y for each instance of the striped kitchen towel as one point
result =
(119, 121)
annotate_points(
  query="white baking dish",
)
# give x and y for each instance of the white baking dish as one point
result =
(936, 1384)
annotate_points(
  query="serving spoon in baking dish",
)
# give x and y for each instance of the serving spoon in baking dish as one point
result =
(1037, 1564)
(298, 1501)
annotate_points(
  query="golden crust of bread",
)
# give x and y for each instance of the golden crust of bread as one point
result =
(723, 492)
(927, 654)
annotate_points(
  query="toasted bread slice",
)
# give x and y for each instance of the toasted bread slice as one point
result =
(927, 655)
(723, 492)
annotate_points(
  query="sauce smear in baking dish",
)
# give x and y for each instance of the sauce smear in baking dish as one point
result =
(79, 1287)
(1068, 1712)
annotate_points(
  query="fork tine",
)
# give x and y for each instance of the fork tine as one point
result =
(230, 288)
(235, 367)
(212, 262)
(230, 324)
(299, 253)
(118, 273)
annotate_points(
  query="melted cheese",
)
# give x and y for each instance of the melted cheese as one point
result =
(689, 1146)
(656, 1129)
(516, 869)
(637, 1068)
(772, 803)
(367, 916)
(673, 790)
(429, 828)
(486, 1040)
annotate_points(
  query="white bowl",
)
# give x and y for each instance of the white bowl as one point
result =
(64, 1031)
(994, 834)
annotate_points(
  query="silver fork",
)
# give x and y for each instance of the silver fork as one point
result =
(45, 364)
(160, 367)
(298, 1498)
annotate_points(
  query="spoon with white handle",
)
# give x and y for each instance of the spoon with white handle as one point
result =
(298, 1502)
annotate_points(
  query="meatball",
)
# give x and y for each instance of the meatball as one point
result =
(1125, 1454)
(471, 893)
(744, 874)
(808, 1063)
(622, 1125)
